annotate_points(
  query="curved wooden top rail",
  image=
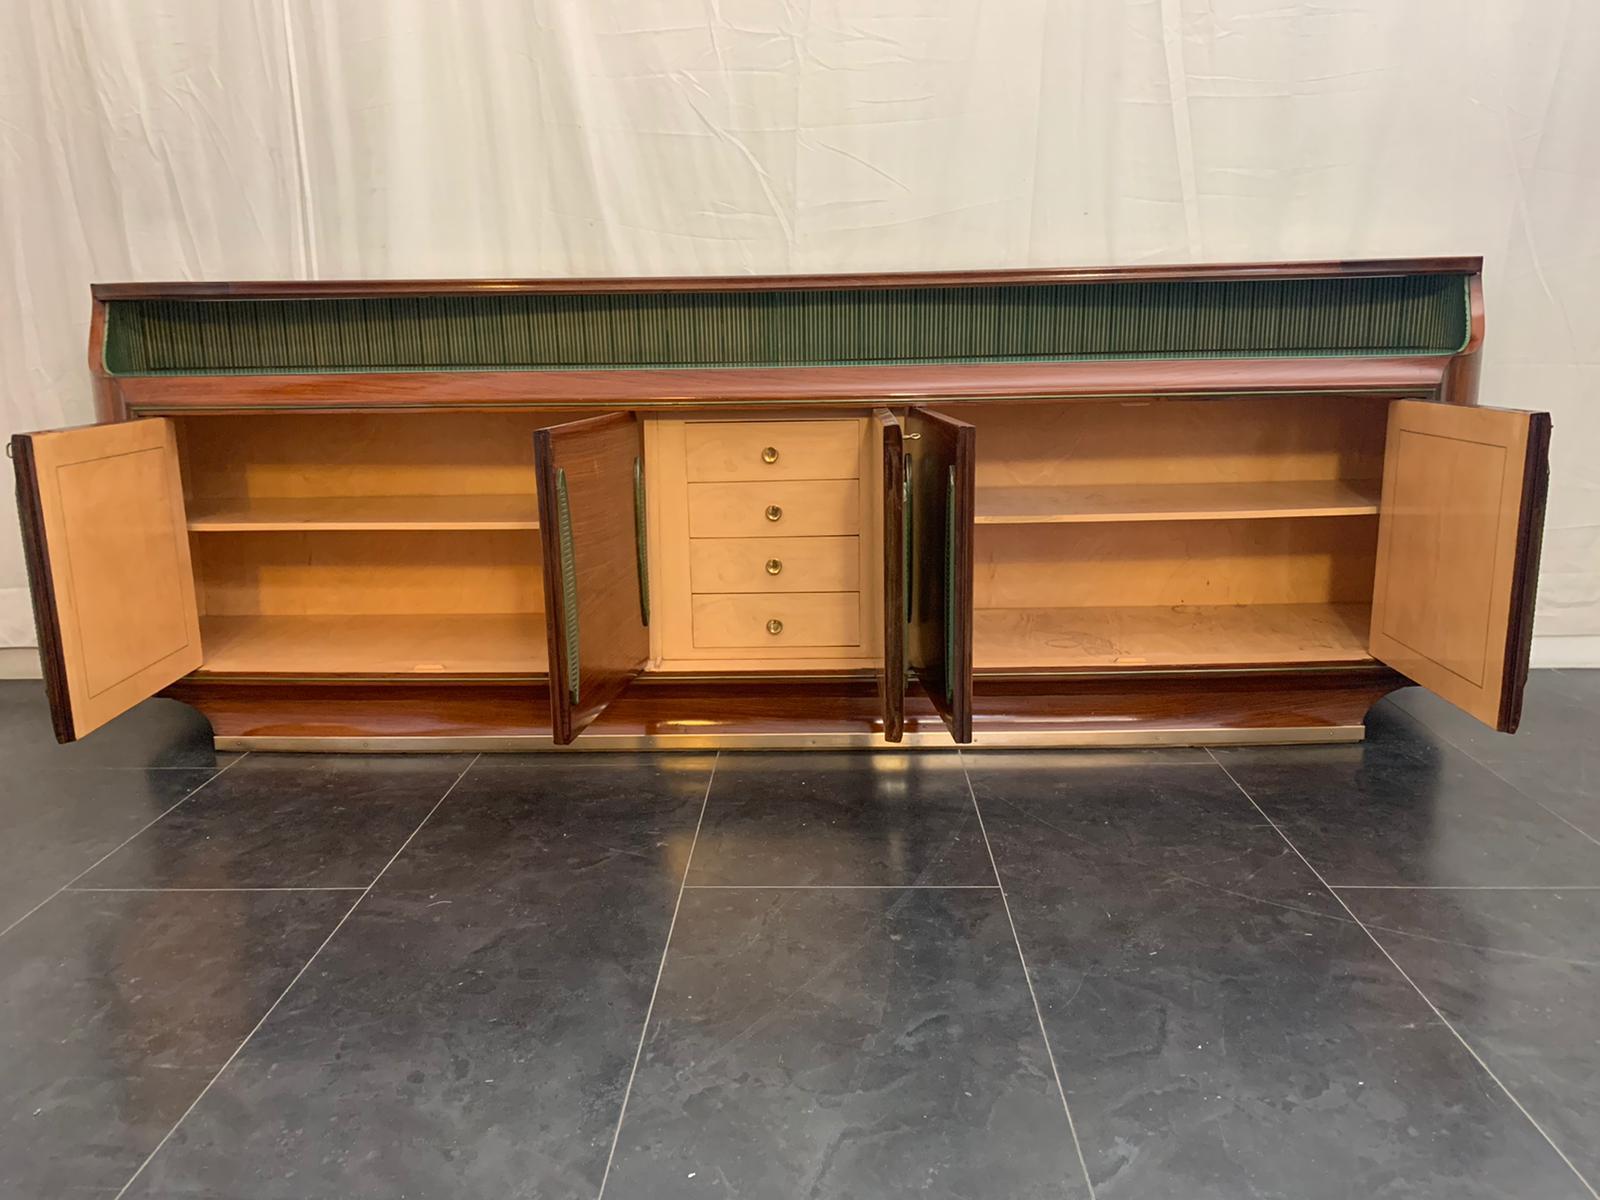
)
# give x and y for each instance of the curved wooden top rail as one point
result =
(345, 288)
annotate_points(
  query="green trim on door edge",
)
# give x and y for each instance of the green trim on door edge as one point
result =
(569, 584)
(639, 540)
(950, 589)
(905, 539)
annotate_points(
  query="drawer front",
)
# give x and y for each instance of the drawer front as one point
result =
(804, 564)
(742, 622)
(721, 451)
(780, 509)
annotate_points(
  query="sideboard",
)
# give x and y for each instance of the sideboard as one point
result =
(1132, 506)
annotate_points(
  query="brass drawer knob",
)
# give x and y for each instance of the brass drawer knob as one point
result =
(773, 512)
(774, 627)
(770, 454)
(774, 565)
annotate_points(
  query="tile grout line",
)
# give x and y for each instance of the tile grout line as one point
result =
(92, 890)
(1426, 999)
(182, 800)
(1461, 887)
(1038, 1013)
(304, 967)
(842, 887)
(661, 969)
(1576, 828)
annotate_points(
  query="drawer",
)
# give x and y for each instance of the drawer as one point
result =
(803, 564)
(809, 508)
(738, 450)
(741, 622)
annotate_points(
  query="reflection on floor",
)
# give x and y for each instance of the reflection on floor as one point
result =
(1368, 970)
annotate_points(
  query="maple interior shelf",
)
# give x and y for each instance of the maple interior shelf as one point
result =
(490, 644)
(1182, 635)
(1176, 502)
(362, 513)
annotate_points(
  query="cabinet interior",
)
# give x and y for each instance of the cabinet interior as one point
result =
(1107, 534)
(366, 544)
(1174, 532)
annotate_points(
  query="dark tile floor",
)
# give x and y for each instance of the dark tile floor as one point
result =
(1360, 971)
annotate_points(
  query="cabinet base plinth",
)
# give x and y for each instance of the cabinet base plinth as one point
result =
(1131, 709)
(1065, 739)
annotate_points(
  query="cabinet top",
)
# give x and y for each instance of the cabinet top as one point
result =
(1027, 276)
(1387, 324)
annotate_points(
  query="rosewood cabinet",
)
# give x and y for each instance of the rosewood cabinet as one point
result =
(1122, 507)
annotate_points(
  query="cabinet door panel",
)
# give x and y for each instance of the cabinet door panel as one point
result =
(892, 669)
(942, 458)
(591, 527)
(107, 548)
(1458, 552)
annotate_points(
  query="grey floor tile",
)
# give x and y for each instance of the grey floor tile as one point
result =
(873, 1043)
(840, 819)
(1407, 807)
(1222, 1029)
(1553, 758)
(1518, 974)
(518, 826)
(1117, 821)
(117, 1008)
(58, 822)
(157, 733)
(470, 1031)
(286, 821)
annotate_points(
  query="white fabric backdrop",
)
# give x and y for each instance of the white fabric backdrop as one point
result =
(163, 139)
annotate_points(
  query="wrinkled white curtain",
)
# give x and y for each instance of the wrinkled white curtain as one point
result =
(163, 139)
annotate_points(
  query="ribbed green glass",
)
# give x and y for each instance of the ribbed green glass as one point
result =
(1354, 315)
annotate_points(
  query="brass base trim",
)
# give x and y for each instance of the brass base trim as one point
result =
(601, 741)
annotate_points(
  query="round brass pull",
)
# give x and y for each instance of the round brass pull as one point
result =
(773, 512)
(770, 454)
(774, 626)
(774, 565)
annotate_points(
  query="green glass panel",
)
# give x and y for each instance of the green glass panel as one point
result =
(1341, 315)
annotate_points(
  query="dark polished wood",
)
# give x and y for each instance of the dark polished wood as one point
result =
(41, 587)
(1461, 376)
(108, 406)
(1525, 586)
(338, 288)
(943, 451)
(300, 708)
(1200, 703)
(687, 387)
(892, 671)
(598, 456)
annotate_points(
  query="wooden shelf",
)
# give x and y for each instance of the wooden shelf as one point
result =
(1177, 502)
(1242, 635)
(260, 514)
(423, 645)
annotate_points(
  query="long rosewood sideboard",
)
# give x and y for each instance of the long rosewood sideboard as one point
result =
(1134, 506)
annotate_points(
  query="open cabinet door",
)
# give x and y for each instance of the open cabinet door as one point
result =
(107, 547)
(596, 582)
(1458, 552)
(896, 566)
(941, 464)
